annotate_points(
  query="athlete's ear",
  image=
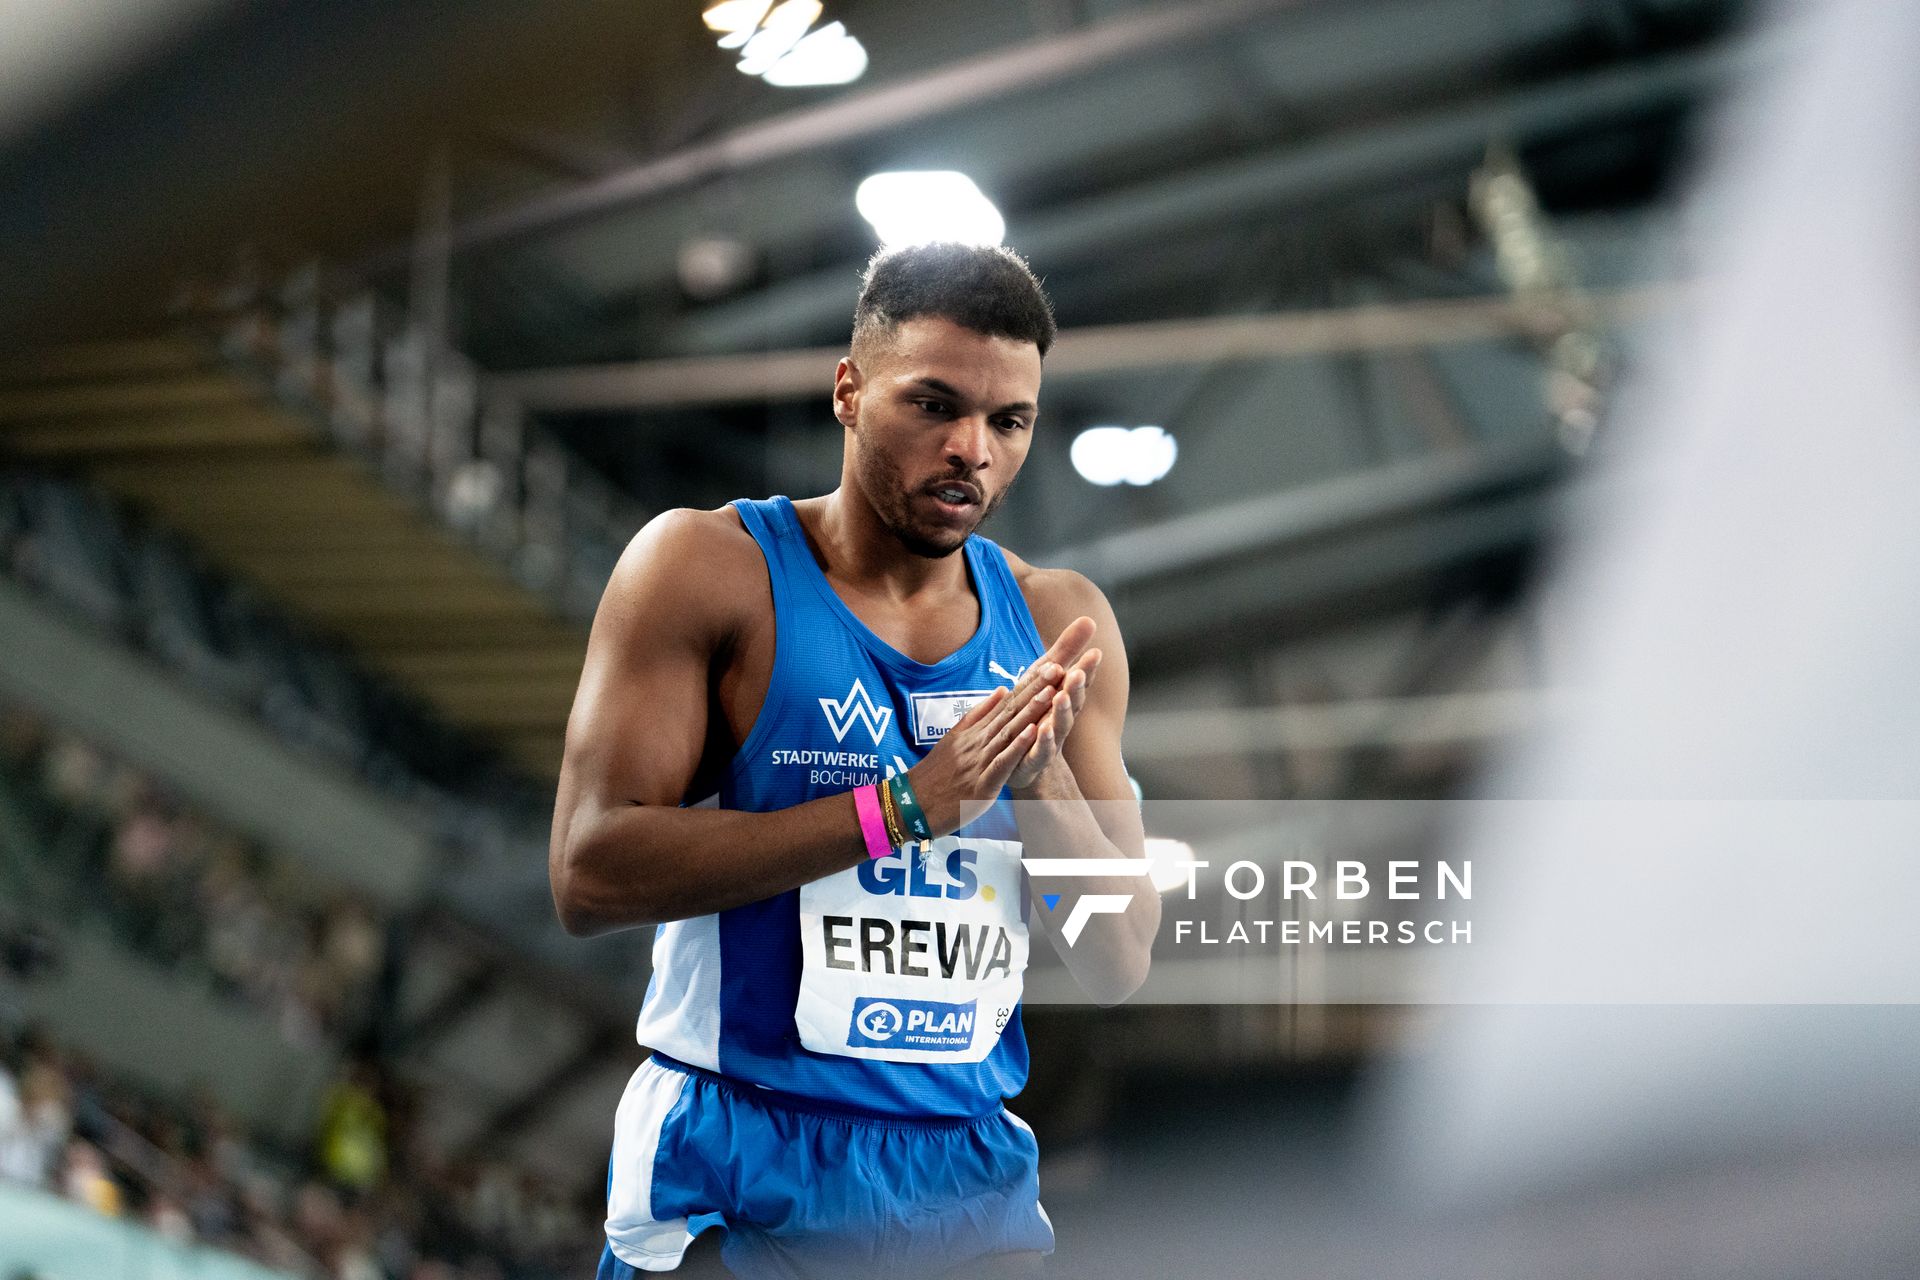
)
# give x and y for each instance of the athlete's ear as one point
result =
(847, 384)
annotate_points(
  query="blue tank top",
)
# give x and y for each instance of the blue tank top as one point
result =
(891, 988)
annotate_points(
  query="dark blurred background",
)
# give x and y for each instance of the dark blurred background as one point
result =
(348, 344)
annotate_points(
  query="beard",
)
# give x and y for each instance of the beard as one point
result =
(891, 495)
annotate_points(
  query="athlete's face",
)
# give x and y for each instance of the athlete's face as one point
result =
(939, 419)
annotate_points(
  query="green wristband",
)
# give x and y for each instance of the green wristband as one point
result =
(910, 811)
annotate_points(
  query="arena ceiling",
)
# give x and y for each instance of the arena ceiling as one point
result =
(540, 177)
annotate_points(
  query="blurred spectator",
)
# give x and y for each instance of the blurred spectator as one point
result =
(185, 892)
(141, 586)
(86, 1181)
(108, 842)
(353, 1132)
(188, 1175)
(42, 1117)
(169, 1220)
(12, 1129)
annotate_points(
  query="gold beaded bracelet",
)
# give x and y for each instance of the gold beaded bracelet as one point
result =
(896, 829)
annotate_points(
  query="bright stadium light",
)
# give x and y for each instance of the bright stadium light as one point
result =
(781, 32)
(731, 16)
(827, 56)
(1099, 455)
(1116, 455)
(775, 43)
(917, 206)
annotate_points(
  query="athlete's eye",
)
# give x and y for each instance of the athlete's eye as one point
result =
(1010, 425)
(931, 406)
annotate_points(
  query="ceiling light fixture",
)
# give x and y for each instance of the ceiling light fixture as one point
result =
(731, 16)
(827, 56)
(1116, 455)
(775, 43)
(780, 32)
(917, 206)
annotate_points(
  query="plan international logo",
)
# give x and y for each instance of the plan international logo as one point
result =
(857, 705)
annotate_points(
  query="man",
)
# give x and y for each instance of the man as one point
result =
(834, 1009)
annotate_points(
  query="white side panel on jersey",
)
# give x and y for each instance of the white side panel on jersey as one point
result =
(681, 1014)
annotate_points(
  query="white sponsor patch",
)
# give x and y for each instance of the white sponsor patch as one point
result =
(935, 713)
(913, 958)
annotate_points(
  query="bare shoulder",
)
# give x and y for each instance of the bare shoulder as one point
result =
(689, 531)
(703, 564)
(1056, 597)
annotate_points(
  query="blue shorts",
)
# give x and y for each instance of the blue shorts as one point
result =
(807, 1193)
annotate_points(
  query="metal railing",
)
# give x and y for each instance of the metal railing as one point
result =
(382, 387)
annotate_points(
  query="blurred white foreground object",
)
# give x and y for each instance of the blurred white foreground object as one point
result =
(1729, 824)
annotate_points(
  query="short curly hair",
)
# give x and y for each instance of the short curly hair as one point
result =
(987, 288)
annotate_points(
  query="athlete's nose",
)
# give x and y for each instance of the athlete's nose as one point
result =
(969, 443)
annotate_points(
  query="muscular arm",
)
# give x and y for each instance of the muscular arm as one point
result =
(623, 852)
(1082, 805)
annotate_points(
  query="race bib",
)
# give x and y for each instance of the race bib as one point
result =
(911, 958)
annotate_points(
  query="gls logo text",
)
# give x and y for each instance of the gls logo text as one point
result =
(908, 876)
(857, 705)
(1088, 905)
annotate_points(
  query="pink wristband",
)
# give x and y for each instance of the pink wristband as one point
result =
(866, 803)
